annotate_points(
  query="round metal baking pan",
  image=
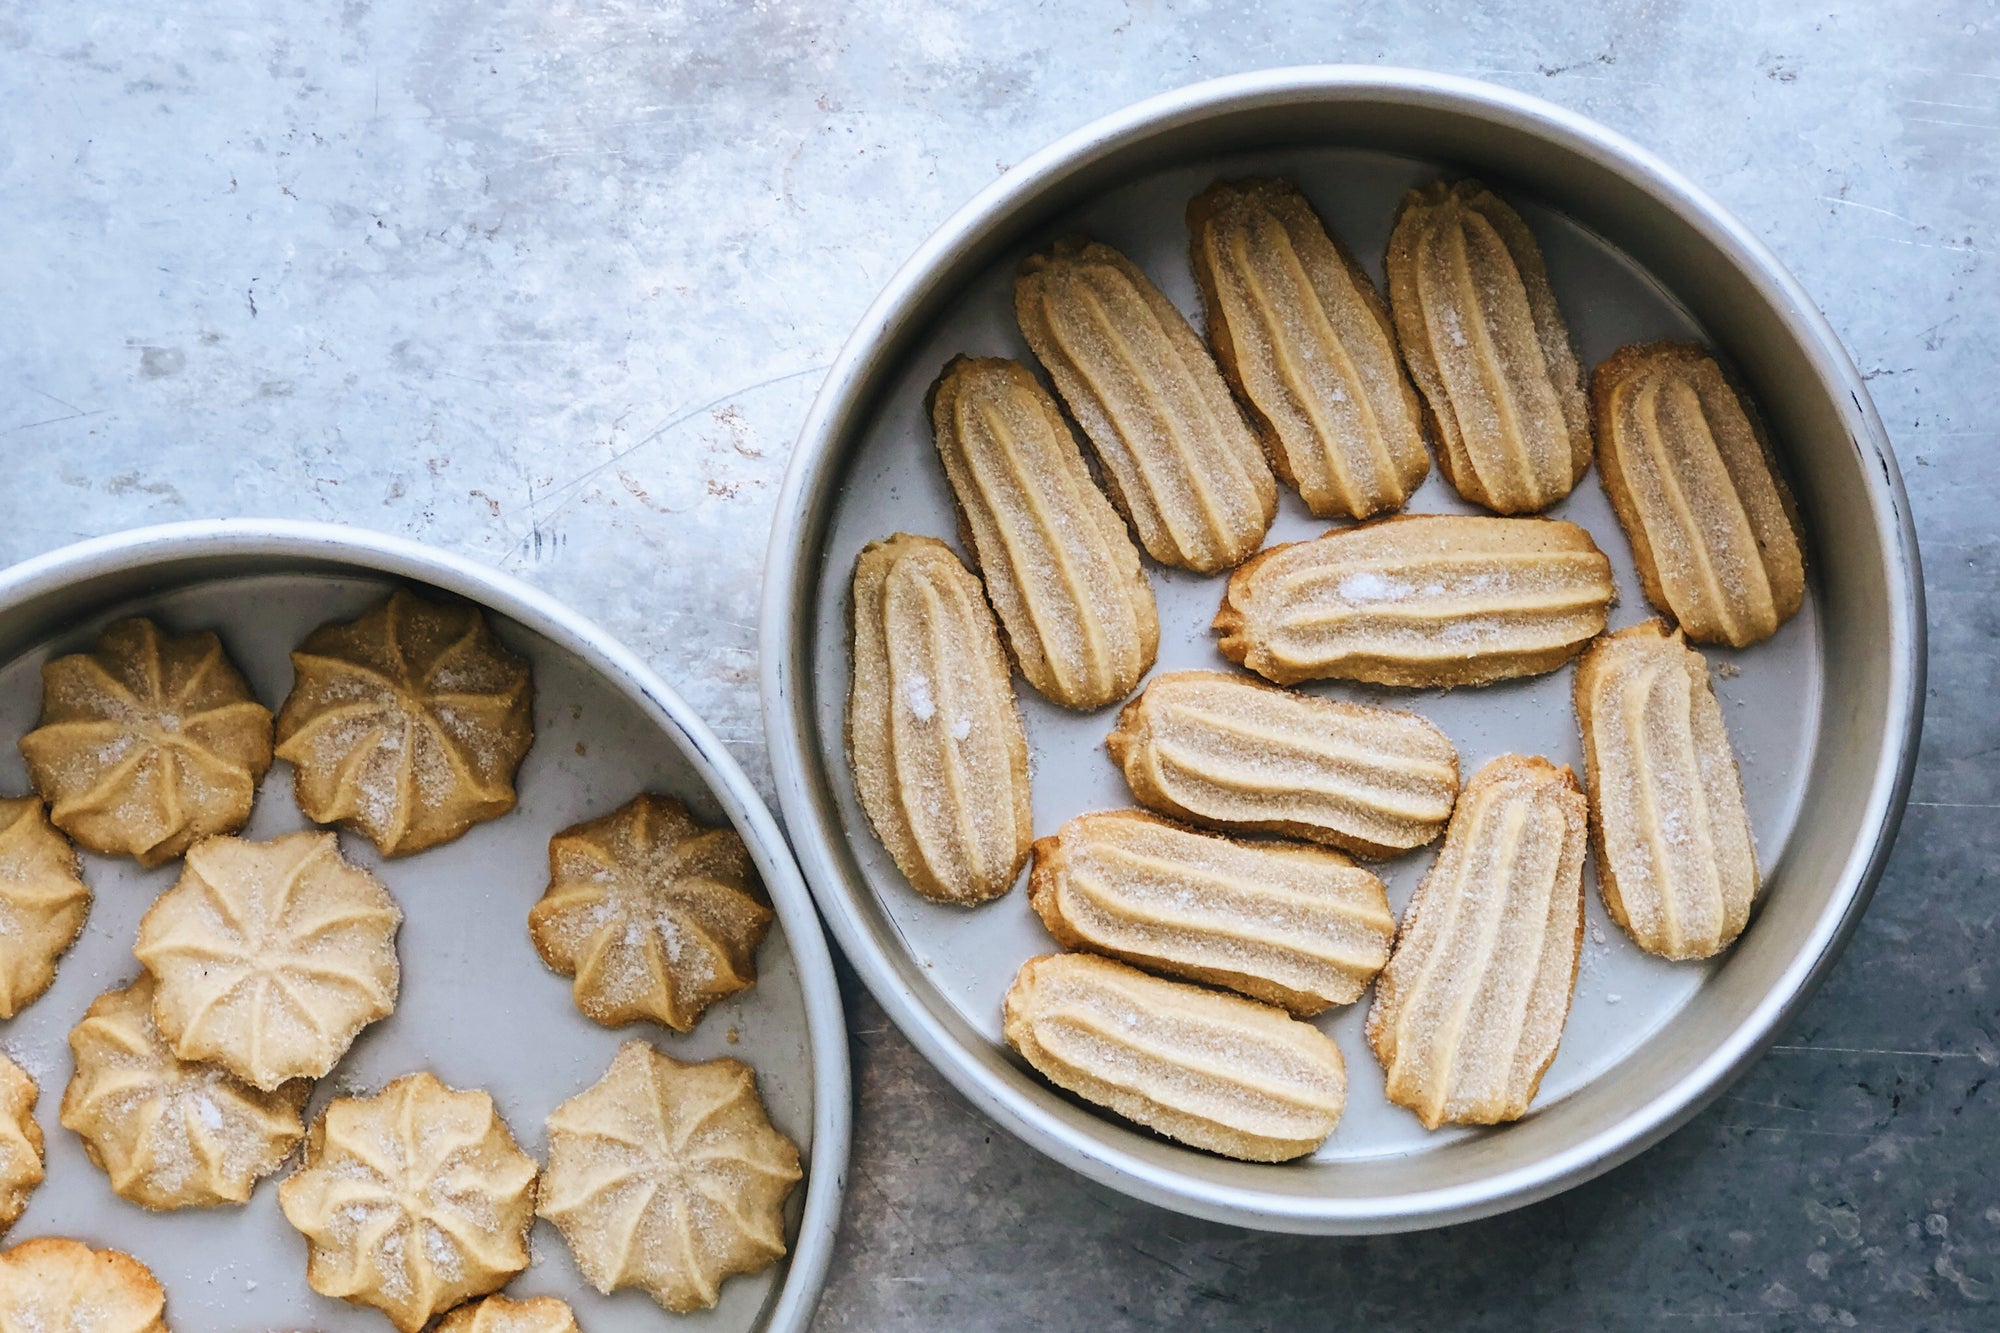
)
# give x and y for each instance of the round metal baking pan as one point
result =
(477, 1007)
(1825, 716)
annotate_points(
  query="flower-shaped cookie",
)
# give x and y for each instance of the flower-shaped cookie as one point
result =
(497, 1314)
(407, 724)
(20, 1142)
(655, 916)
(148, 743)
(412, 1200)
(270, 956)
(170, 1134)
(669, 1176)
(42, 901)
(53, 1285)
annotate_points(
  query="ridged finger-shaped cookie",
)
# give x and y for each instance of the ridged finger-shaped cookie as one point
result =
(1689, 471)
(498, 1314)
(1423, 601)
(1227, 752)
(52, 1284)
(940, 760)
(1675, 860)
(1470, 1009)
(1488, 348)
(1303, 336)
(21, 1167)
(1179, 459)
(1214, 1071)
(1057, 561)
(1287, 923)
(43, 901)
(148, 743)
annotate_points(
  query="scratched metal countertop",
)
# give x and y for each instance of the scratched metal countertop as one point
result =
(551, 282)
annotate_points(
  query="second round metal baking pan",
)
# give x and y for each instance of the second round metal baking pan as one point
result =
(1826, 716)
(477, 1008)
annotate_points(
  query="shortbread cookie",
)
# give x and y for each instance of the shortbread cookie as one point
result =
(1055, 557)
(1689, 470)
(1469, 1011)
(1227, 752)
(1424, 601)
(1675, 860)
(169, 1133)
(269, 957)
(1294, 925)
(412, 1200)
(1177, 456)
(669, 1177)
(497, 1314)
(655, 916)
(147, 743)
(43, 902)
(56, 1285)
(1488, 347)
(1215, 1071)
(408, 724)
(940, 760)
(1306, 340)
(20, 1142)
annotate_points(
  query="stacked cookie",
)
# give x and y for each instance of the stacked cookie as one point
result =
(1207, 929)
(265, 961)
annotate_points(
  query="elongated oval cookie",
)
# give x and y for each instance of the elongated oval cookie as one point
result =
(1424, 600)
(1178, 458)
(1686, 463)
(1055, 557)
(1675, 860)
(1488, 348)
(1470, 1009)
(1294, 925)
(1215, 1071)
(940, 760)
(1228, 752)
(1303, 336)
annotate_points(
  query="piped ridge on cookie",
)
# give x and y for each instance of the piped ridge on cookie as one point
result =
(1178, 458)
(1305, 339)
(1424, 601)
(1054, 556)
(1675, 858)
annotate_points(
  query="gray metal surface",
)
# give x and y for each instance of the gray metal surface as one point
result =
(477, 1008)
(1826, 735)
(628, 236)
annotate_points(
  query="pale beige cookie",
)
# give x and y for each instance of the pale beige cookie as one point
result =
(168, 1133)
(1227, 752)
(1688, 467)
(498, 1314)
(269, 957)
(1214, 1071)
(1294, 925)
(412, 1200)
(1675, 859)
(20, 1142)
(1422, 601)
(940, 759)
(1488, 348)
(1305, 339)
(147, 743)
(1177, 456)
(669, 1177)
(655, 916)
(56, 1285)
(43, 902)
(1469, 1011)
(1055, 557)
(406, 725)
